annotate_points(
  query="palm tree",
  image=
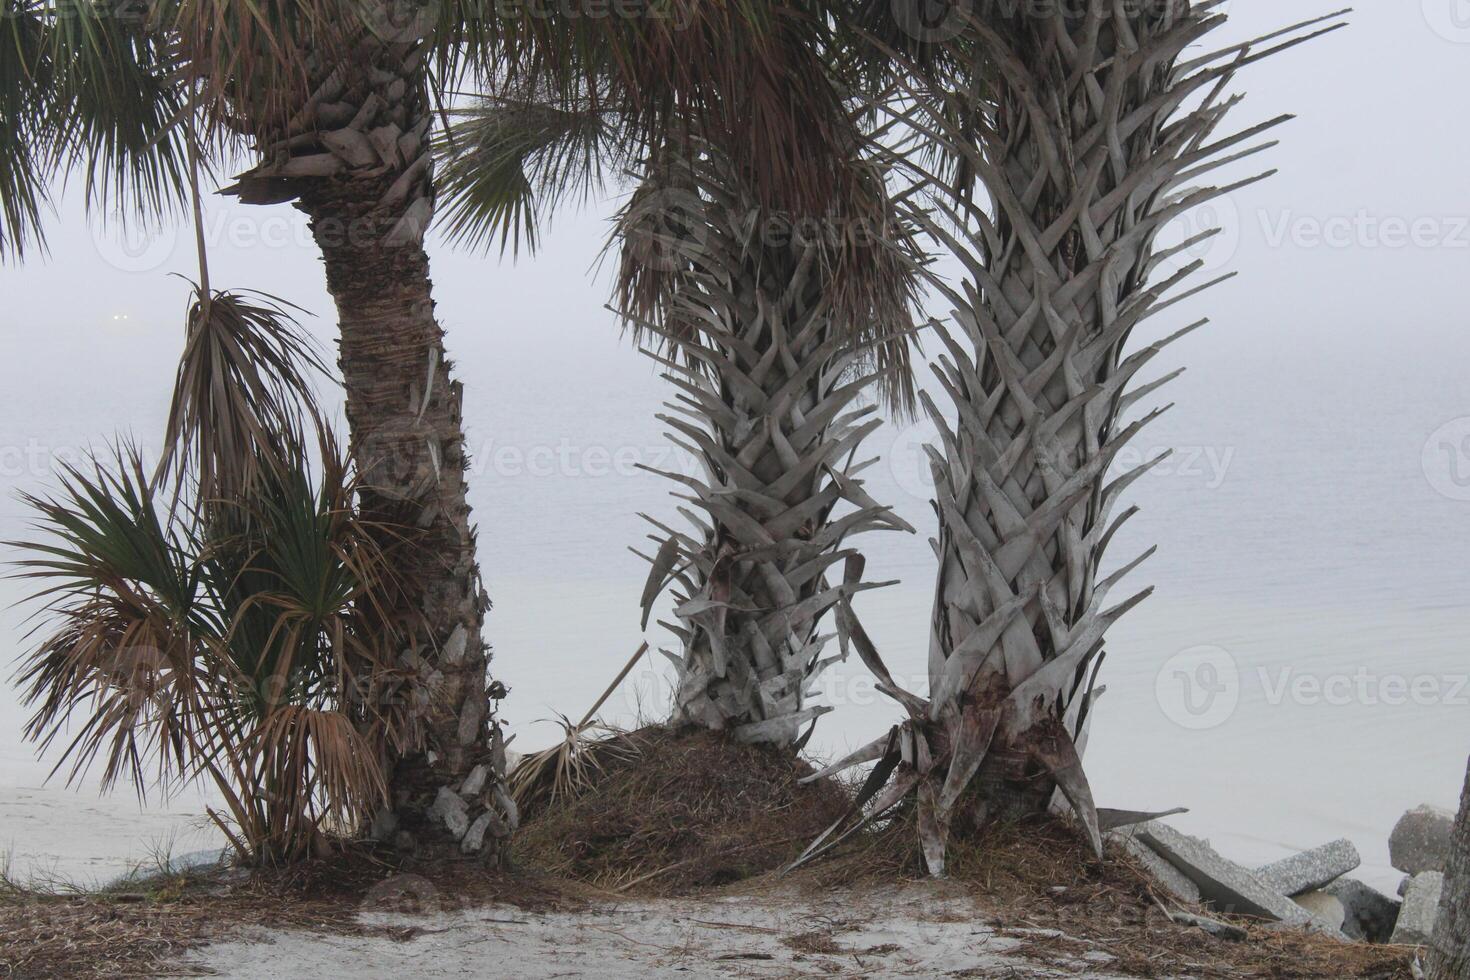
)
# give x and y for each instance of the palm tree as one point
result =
(1449, 957)
(770, 327)
(1081, 130)
(771, 334)
(333, 100)
(220, 628)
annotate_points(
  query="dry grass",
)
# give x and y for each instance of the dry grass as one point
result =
(669, 813)
(145, 927)
(675, 814)
(1041, 882)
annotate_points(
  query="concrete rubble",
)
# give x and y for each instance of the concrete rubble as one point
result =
(1311, 870)
(1421, 840)
(1307, 890)
(1370, 915)
(1225, 885)
(1416, 919)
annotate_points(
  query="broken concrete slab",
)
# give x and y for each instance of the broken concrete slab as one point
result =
(1369, 915)
(1421, 840)
(1311, 870)
(1421, 908)
(1326, 909)
(1226, 885)
(1170, 879)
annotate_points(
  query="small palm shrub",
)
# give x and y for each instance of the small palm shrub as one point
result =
(234, 639)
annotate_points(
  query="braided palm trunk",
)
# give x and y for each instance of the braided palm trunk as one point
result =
(1081, 145)
(768, 380)
(355, 156)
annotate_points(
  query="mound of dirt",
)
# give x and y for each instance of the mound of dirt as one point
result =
(667, 812)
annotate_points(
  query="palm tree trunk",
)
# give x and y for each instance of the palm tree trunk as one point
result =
(1449, 956)
(356, 157)
(1083, 152)
(1079, 144)
(767, 379)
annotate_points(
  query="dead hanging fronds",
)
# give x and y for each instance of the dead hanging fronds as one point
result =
(243, 395)
(692, 230)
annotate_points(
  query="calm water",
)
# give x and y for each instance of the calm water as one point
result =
(1297, 676)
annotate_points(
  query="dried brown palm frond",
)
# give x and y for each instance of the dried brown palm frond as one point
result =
(242, 394)
(570, 766)
(1090, 132)
(750, 77)
(692, 221)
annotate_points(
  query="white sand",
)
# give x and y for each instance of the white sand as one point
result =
(923, 930)
(83, 838)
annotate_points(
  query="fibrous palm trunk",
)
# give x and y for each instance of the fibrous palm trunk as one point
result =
(356, 158)
(1449, 957)
(768, 380)
(1081, 143)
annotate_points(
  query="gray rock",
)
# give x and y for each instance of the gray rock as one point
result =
(1421, 840)
(1169, 878)
(1226, 885)
(1311, 870)
(450, 809)
(1369, 914)
(1326, 909)
(1421, 908)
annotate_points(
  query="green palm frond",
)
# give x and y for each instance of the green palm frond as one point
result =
(22, 102)
(242, 648)
(114, 572)
(117, 103)
(511, 161)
